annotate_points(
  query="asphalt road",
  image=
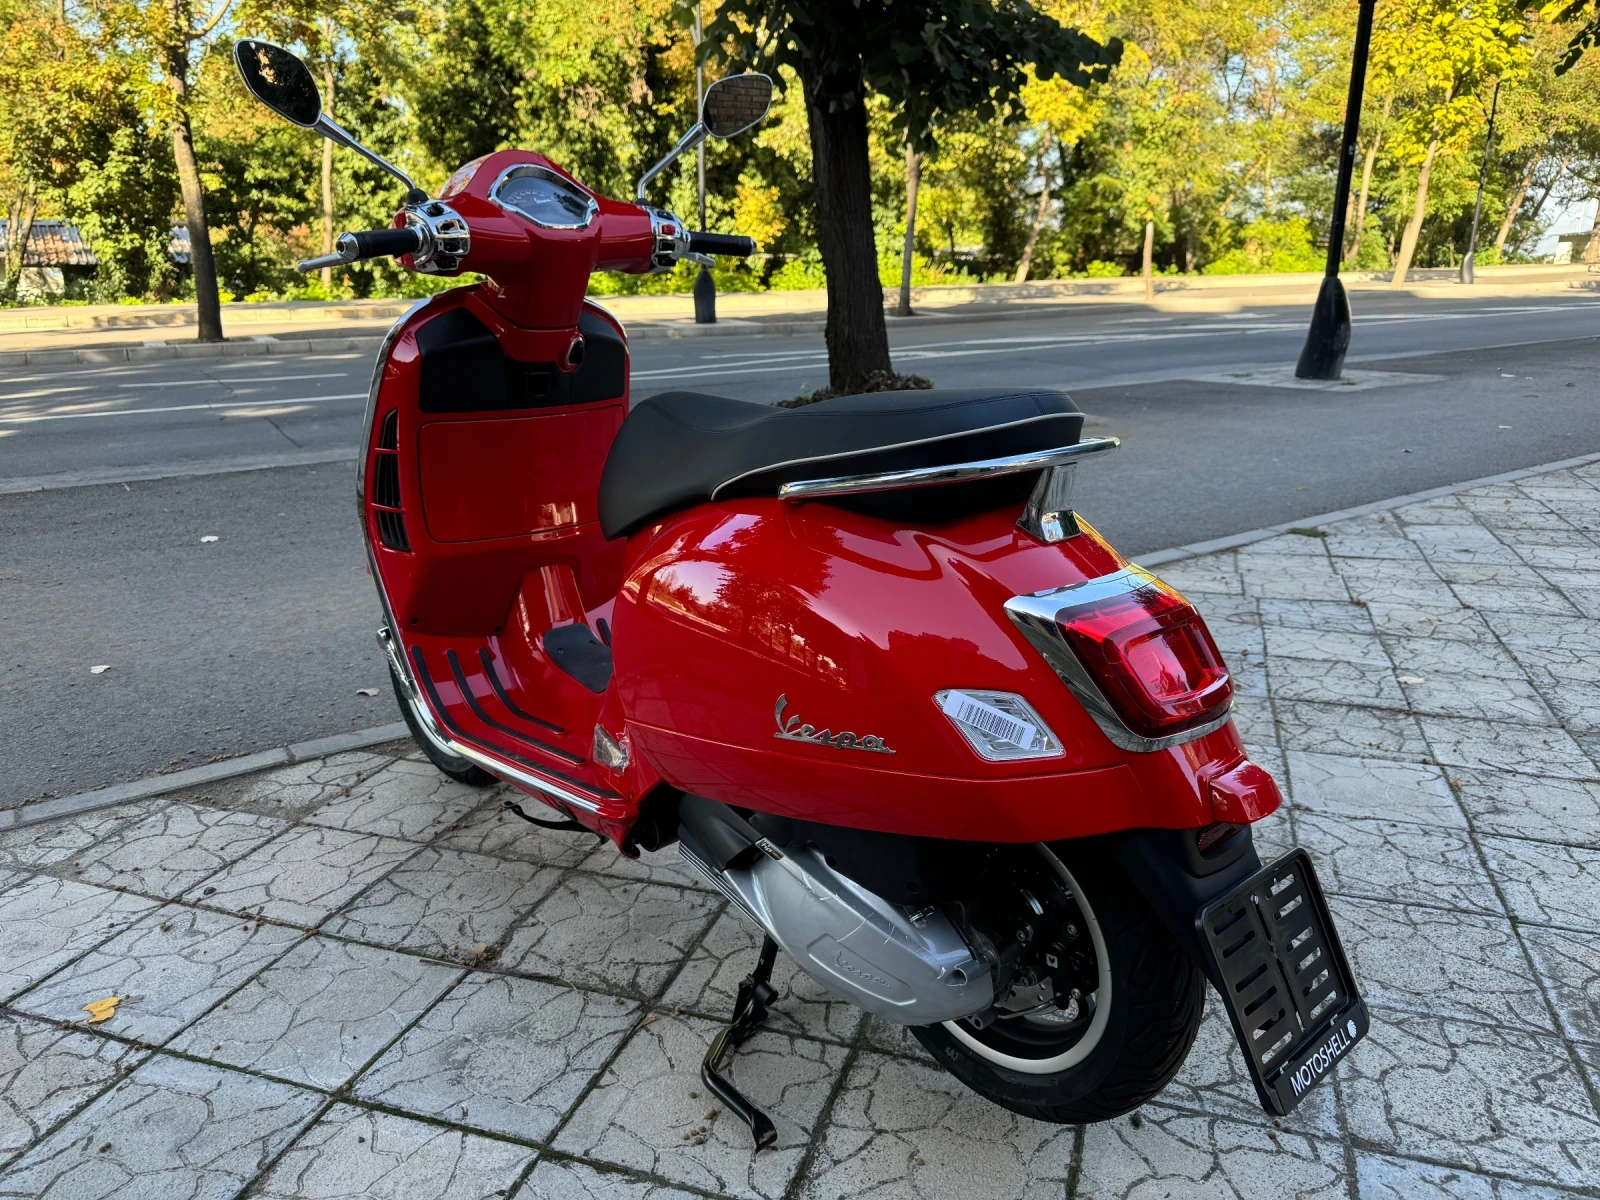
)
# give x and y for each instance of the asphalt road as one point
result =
(264, 636)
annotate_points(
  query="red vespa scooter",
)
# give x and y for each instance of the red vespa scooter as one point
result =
(964, 764)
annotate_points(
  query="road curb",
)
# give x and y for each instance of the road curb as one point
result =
(231, 768)
(1235, 540)
(638, 331)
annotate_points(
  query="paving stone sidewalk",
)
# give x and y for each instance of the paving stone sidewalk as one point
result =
(350, 978)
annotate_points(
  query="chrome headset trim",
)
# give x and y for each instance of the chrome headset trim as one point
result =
(889, 481)
(523, 169)
(1034, 615)
(387, 639)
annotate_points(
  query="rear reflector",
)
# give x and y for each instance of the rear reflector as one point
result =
(1152, 657)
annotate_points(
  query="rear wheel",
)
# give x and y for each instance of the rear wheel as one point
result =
(1121, 1038)
(453, 765)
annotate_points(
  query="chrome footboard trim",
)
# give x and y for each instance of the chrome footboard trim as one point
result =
(446, 744)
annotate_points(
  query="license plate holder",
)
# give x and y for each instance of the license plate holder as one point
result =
(1284, 979)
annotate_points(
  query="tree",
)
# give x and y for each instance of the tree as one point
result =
(170, 31)
(1437, 56)
(931, 60)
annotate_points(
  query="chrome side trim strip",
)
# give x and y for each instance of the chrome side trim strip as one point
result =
(1035, 616)
(444, 742)
(888, 481)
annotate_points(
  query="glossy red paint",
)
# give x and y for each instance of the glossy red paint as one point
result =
(465, 566)
(733, 625)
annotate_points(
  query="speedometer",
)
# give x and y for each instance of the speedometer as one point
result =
(544, 197)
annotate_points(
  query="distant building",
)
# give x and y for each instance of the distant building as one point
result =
(58, 251)
(54, 248)
(1571, 248)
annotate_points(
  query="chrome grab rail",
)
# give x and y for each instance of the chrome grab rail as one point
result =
(889, 481)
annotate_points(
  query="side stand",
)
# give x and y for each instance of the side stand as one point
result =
(749, 1011)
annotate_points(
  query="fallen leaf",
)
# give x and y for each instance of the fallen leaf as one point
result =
(100, 670)
(366, 691)
(102, 1010)
(210, 537)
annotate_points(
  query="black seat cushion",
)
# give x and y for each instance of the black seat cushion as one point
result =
(683, 448)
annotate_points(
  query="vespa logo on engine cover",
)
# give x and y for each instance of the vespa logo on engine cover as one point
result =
(793, 731)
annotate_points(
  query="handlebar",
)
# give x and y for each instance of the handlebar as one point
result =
(721, 243)
(367, 243)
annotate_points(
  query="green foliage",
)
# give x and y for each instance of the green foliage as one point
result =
(1270, 246)
(933, 62)
(1216, 119)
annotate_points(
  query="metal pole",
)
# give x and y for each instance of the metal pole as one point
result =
(705, 287)
(1483, 175)
(1322, 357)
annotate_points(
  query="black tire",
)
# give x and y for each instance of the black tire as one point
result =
(1157, 994)
(453, 765)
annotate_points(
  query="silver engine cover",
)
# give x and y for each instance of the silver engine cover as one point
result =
(908, 967)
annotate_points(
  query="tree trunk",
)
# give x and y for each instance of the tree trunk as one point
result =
(913, 182)
(1361, 202)
(856, 336)
(1149, 262)
(208, 303)
(1561, 169)
(1515, 206)
(1039, 214)
(1408, 242)
(327, 173)
(19, 229)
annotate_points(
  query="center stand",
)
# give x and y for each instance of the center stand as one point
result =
(749, 1011)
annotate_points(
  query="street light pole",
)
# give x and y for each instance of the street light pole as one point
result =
(1322, 357)
(705, 287)
(1483, 175)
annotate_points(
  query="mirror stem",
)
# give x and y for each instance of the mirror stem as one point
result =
(687, 142)
(329, 129)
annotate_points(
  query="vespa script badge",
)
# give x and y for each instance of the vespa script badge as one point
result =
(793, 731)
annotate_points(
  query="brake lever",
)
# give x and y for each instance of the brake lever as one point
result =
(308, 265)
(694, 256)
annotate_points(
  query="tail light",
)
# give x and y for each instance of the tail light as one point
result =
(1151, 656)
(1135, 654)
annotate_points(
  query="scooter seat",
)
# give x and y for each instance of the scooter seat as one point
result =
(678, 449)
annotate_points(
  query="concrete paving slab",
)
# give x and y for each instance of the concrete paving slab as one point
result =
(172, 1129)
(503, 1055)
(357, 1154)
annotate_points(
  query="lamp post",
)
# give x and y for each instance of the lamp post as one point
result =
(1483, 175)
(1322, 357)
(705, 287)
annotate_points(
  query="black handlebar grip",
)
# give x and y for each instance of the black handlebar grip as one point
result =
(722, 243)
(377, 243)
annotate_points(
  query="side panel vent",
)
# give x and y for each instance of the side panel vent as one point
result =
(392, 529)
(386, 481)
(385, 499)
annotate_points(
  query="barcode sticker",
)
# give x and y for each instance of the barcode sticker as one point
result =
(963, 708)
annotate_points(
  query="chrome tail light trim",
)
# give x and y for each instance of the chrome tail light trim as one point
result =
(1034, 615)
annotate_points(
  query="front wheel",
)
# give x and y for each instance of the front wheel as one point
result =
(453, 765)
(1116, 1046)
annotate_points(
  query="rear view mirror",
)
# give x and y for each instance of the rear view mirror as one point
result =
(734, 104)
(279, 80)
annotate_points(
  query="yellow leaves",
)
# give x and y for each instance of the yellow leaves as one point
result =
(758, 211)
(102, 1010)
